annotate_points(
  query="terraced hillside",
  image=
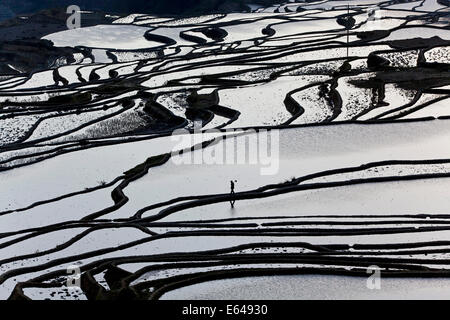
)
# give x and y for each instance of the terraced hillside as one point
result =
(357, 92)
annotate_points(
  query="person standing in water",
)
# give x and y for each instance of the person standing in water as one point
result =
(232, 201)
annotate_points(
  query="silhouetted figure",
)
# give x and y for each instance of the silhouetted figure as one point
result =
(232, 201)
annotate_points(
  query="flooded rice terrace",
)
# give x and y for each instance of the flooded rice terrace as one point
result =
(92, 182)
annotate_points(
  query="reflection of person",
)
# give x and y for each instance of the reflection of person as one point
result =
(232, 201)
